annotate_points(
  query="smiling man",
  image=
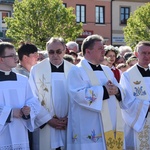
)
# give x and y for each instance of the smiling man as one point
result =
(48, 81)
(18, 106)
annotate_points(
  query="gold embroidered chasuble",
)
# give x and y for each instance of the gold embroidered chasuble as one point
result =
(114, 139)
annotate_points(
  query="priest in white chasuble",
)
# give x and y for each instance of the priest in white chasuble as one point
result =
(48, 82)
(136, 85)
(18, 106)
(94, 120)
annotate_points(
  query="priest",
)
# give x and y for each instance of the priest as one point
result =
(94, 120)
(136, 84)
(48, 82)
(18, 106)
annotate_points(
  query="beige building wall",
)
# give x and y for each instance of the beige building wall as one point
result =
(117, 29)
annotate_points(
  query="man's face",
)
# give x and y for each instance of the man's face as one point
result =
(32, 58)
(97, 53)
(144, 55)
(10, 59)
(56, 52)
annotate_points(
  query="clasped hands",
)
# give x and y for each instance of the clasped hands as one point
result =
(58, 123)
(18, 113)
(111, 88)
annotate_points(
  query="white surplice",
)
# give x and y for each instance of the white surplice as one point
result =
(85, 126)
(16, 94)
(50, 88)
(136, 107)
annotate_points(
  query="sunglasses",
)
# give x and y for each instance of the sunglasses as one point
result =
(52, 52)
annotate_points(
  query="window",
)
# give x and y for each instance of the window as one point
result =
(80, 13)
(64, 4)
(100, 14)
(124, 14)
(5, 14)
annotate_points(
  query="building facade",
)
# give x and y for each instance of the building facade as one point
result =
(103, 17)
(6, 9)
(121, 10)
(95, 16)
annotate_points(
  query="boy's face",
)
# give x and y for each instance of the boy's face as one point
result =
(9, 60)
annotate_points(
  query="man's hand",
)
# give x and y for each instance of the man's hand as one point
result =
(26, 110)
(111, 88)
(17, 113)
(58, 123)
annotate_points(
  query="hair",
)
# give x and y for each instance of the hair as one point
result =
(89, 42)
(132, 58)
(4, 45)
(112, 48)
(71, 52)
(26, 49)
(144, 43)
(127, 55)
(55, 39)
(118, 57)
(122, 65)
(123, 49)
(72, 44)
(69, 58)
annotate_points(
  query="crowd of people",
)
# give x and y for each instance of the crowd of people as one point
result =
(65, 98)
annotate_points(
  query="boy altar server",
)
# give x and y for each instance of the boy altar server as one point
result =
(18, 106)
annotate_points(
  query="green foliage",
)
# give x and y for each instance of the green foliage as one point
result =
(37, 20)
(138, 26)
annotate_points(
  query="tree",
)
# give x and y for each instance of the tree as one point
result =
(138, 26)
(37, 20)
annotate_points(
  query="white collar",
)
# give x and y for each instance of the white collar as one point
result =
(92, 63)
(6, 72)
(144, 68)
(57, 66)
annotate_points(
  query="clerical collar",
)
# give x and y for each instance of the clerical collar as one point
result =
(58, 68)
(11, 77)
(145, 72)
(95, 67)
(143, 67)
(6, 72)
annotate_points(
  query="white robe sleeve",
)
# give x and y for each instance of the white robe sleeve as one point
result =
(85, 95)
(136, 109)
(35, 108)
(4, 113)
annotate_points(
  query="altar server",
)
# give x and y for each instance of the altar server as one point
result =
(18, 106)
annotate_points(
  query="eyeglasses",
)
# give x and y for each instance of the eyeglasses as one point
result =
(52, 52)
(13, 56)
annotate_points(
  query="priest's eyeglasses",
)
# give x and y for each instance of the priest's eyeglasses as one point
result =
(52, 52)
(12, 56)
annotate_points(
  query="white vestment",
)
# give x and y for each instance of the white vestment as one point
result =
(137, 101)
(16, 94)
(50, 88)
(85, 127)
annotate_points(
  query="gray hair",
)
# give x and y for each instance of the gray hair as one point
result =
(55, 39)
(72, 45)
